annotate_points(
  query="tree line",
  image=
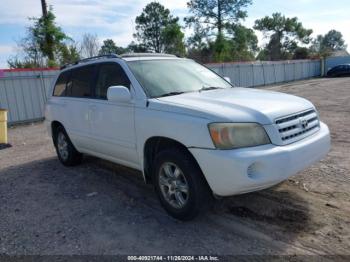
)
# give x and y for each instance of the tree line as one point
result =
(217, 35)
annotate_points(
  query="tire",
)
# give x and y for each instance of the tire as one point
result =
(180, 184)
(66, 152)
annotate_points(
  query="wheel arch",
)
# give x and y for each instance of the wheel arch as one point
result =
(156, 144)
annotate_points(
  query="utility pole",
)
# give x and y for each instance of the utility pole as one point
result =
(44, 7)
(48, 38)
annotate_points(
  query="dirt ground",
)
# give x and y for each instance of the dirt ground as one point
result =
(101, 208)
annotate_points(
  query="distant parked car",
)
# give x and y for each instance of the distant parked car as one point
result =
(339, 70)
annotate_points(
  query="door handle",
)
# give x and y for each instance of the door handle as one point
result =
(60, 103)
(92, 109)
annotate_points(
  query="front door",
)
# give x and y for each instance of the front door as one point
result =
(112, 124)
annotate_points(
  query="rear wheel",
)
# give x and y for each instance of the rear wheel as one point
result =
(66, 152)
(180, 184)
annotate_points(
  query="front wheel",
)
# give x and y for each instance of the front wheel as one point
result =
(180, 184)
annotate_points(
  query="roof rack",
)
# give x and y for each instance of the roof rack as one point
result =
(116, 56)
(85, 60)
(145, 55)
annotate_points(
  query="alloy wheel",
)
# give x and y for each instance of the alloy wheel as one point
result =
(173, 185)
(62, 146)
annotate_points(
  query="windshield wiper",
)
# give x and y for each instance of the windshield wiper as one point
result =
(206, 88)
(171, 94)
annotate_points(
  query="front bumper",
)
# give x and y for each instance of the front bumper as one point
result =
(231, 172)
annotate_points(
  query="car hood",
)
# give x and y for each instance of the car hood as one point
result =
(240, 104)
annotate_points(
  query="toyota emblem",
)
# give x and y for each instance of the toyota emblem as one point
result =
(303, 123)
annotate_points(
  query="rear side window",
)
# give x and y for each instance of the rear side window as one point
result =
(80, 82)
(61, 84)
(110, 74)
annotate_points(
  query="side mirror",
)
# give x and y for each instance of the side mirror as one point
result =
(118, 94)
(227, 79)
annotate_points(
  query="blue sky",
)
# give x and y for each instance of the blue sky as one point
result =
(115, 19)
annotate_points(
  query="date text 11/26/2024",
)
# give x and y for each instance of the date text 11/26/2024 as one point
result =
(173, 258)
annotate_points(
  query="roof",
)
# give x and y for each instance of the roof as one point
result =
(127, 57)
(146, 55)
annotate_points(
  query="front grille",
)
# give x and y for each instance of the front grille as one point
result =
(297, 126)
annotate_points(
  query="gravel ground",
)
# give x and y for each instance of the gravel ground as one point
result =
(101, 208)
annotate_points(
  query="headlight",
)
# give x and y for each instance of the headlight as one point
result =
(237, 135)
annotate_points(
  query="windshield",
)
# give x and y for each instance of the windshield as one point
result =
(174, 76)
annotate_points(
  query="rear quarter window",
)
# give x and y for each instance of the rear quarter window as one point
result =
(61, 84)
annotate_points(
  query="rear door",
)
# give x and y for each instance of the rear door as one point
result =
(58, 103)
(78, 97)
(112, 124)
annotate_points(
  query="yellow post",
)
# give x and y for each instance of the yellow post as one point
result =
(3, 126)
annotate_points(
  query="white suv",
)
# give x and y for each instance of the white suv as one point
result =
(191, 133)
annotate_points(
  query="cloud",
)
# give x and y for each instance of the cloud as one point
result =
(115, 18)
(81, 12)
(5, 49)
(108, 19)
(105, 18)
